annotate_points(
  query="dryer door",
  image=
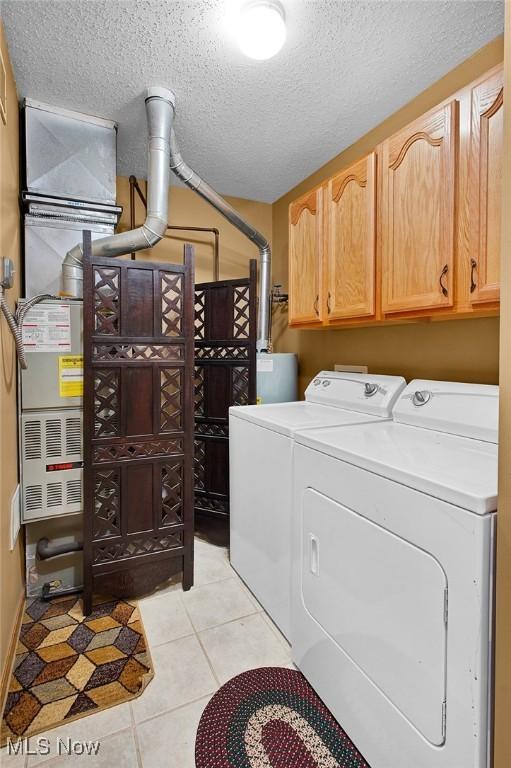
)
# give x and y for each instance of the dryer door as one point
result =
(381, 601)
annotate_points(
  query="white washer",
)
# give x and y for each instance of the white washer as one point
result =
(261, 442)
(393, 542)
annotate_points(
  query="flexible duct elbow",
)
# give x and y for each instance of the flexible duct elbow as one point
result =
(160, 114)
(192, 180)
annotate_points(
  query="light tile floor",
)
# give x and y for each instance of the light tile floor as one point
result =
(198, 640)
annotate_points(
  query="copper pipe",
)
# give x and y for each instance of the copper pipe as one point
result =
(134, 185)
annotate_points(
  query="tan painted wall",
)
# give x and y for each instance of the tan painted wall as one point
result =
(187, 209)
(458, 350)
(503, 644)
(11, 576)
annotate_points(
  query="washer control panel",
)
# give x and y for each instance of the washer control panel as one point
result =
(365, 392)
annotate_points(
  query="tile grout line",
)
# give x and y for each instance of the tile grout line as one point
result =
(177, 592)
(202, 646)
(210, 663)
(135, 737)
(174, 709)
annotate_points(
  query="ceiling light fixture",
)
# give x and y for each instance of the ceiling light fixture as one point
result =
(261, 29)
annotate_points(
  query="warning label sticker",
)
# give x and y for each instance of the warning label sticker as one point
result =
(71, 375)
(47, 328)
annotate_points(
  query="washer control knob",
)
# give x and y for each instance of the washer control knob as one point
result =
(370, 389)
(421, 397)
(316, 382)
(326, 382)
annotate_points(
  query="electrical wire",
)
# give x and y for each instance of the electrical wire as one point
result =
(15, 320)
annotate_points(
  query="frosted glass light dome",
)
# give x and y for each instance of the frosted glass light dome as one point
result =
(261, 29)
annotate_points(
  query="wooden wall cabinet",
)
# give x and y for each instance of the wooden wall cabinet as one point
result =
(485, 181)
(306, 259)
(412, 230)
(350, 256)
(418, 213)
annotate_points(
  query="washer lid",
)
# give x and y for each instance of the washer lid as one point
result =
(471, 410)
(287, 418)
(456, 469)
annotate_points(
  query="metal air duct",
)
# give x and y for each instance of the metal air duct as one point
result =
(192, 180)
(160, 104)
(164, 155)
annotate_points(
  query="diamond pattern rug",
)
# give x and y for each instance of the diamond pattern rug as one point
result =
(68, 665)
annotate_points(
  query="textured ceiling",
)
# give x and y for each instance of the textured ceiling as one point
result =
(252, 129)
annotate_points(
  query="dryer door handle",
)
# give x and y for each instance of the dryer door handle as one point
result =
(313, 554)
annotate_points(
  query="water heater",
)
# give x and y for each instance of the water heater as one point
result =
(277, 377)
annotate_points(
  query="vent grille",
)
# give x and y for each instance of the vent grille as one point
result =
(73, 492)
(34, 498)
(54, 495)
(53, 438)
(73, 437)
(32, 440)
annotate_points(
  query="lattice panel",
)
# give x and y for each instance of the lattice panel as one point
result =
(106, 504)
(138, 424)
(137, 352)
(211, 430)
(200, 315)
(241, 306)
(106, 301)
(199, 465)
(171, 494)
(221, 353)
(127, 451)
(199, 390)
(240, 385)
(171, 389)
(106, 402)
(105, 553)
(219, 506)
(225, 363)
(171, 304)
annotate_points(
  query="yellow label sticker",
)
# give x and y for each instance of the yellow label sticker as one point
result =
(71, 375)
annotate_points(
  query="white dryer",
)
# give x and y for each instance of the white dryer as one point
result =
(261, 446)
(393, 544)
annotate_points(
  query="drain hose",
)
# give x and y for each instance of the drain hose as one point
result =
(46, 548)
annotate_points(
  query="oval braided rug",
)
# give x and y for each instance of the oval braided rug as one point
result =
(271, 718)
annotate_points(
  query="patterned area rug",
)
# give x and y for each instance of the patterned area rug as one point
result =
(68, 666)
(271, 718)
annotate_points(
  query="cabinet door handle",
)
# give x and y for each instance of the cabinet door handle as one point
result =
(328, 307)
(316, 305)
(443, 273)
(473, 267)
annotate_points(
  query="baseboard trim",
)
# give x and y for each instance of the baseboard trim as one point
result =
(11, 652)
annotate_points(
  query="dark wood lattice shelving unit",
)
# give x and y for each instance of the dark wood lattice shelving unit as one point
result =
(225, 375)
(138, 424)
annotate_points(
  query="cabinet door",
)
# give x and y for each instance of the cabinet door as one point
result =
(352, 241)
(305, 256)
(485, 181)
(419, 202)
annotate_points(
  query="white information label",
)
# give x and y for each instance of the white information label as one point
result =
(47, 328)
(264, 366)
